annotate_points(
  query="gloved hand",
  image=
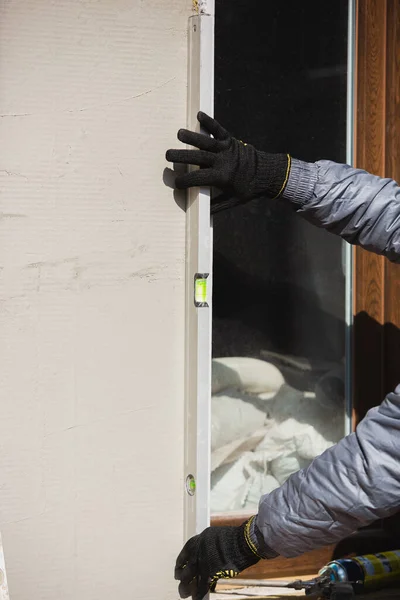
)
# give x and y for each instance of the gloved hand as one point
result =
(216, 553)
(238, 169)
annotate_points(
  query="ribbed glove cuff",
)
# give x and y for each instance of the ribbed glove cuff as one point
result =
(255, 540)
(272, 174)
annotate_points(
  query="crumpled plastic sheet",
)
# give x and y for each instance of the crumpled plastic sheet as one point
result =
(263, 430)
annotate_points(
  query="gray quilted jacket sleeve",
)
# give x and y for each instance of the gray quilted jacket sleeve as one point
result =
(358, 480)
(360, 207)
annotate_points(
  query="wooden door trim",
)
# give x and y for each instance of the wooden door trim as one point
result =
(376, 284)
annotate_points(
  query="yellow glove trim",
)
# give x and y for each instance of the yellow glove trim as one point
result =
(227, 574)
(248, 539)
(289, 164)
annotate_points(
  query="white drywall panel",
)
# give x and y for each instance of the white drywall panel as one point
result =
(92, 253)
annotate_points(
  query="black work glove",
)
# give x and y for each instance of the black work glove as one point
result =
(217, 553)
(238, 169)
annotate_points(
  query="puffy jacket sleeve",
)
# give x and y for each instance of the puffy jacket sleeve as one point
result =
(350, 485)
(358, 480)
(360, 207)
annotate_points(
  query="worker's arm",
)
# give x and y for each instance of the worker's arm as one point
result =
(358, 480)
(350, 485)
(362, 208)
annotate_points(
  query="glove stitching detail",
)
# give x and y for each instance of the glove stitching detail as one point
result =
(248, 539)
(289, 163)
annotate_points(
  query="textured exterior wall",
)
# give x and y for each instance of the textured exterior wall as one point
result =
(92, 251)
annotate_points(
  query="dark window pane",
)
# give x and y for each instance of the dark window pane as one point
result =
(279, 287)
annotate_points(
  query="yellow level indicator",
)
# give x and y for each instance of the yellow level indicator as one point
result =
(201, 289)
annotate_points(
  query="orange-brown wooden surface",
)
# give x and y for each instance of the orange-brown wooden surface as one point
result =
(392, 169)
(377, 127)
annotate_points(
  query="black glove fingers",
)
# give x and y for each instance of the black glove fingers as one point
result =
(212, 126)
(179, 570)
(187, 554)
(203, 587)
(197, 178)
(191, 157)
(199, 140)
(187, 590)
(217, 553)
(188, 579)
(188, 574)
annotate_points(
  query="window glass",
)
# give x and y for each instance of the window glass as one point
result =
(279, 285)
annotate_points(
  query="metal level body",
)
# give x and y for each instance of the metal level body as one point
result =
(198, 277)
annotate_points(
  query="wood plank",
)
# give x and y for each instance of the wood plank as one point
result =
(306, 564)
(376, 280)
(370, 89)
(369, 282)
(392, 154)
(392, 169)
(282, 594)
(368, 340)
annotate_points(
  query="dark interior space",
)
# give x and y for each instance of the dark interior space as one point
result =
(280, 84)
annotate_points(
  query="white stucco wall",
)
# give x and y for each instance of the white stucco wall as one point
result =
(92, 250)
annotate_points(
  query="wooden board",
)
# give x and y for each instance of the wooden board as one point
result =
(377, 150)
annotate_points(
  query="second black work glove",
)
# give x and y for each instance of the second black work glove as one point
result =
(217, 553)
(238, 169)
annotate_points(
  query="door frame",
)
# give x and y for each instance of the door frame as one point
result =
(373, 311)
(376, 286)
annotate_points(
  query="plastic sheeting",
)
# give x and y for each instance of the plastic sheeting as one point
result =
(263, 430)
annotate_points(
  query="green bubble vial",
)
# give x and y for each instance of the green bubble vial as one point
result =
(200, 291)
